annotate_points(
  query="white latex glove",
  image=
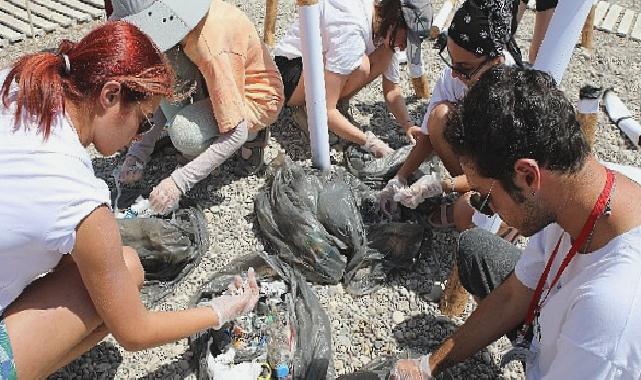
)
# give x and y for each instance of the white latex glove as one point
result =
(241, 300)
(131, 170)
(164, 197)
(413, 133)
(386, 196)
(412, 369)
(427, 186)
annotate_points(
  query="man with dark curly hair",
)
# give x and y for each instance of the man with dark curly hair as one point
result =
(574, 293)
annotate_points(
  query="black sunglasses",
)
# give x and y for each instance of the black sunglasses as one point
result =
(441, 45)
(480, 203)
(147, 124)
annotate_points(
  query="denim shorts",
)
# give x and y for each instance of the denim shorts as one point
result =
(7, 366)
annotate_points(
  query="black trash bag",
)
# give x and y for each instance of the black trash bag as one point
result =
(376, 172)
(168, 248)
(312, 221)
(313, 354)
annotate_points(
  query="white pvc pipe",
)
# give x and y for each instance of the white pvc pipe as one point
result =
(441, 17)
(617, 111)
(314, 76)
(561, 37)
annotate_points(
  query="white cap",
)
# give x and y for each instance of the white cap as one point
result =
(166, 22)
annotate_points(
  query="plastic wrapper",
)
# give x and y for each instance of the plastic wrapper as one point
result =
(314, 221)
(312, 355)
(169, 248)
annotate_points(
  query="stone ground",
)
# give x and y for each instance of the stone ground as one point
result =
(401, 317)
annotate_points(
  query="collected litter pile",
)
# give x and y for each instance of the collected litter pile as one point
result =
(168, 247)
(314, 221)
(286, 337)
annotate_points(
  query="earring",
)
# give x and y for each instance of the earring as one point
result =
(533, 193)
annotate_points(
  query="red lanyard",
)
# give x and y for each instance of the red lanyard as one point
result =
(597, 211)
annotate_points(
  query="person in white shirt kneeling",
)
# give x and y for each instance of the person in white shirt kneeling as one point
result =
(573, 294)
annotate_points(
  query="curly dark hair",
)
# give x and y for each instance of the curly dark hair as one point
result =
(390, 17)
(513, 113)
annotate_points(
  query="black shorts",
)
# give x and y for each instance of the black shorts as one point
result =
(290, 71)
(544, 5)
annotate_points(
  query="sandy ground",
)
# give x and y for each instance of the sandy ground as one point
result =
(362, 328)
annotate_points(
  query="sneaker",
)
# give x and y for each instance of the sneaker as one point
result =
(376, 146)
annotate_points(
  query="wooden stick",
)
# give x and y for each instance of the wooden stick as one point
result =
(271, 11)
(455, 296)
(587, 35)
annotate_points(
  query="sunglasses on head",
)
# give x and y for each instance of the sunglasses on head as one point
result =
(480, 203)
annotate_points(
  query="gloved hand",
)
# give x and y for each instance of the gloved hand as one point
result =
(426, 187)
(131, 170)
(413, 133)
(412, 369)
(241, 300)
(386, 196)
(164, 197)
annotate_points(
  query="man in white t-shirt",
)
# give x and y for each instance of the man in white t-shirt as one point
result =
(359, 42)
(577, 286)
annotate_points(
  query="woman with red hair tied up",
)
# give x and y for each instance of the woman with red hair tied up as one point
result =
(66, 281)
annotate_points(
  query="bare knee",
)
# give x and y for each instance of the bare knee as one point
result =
(132, 261)
(437, 120)
(463, 212)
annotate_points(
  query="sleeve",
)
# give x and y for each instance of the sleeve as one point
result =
(264, 94)
(199, 168)
(344, 48)
(77, 194)
(226, 100)
(393, 72)
(532, 262)
(439, 94)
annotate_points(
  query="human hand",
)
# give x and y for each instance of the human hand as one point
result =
(413, 133)
(426, 187)
(412, 369)
(165, 196)
(241, 299)
(131, 170)
(386, 196)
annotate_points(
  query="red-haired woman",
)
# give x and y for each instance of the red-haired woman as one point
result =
(98, 91)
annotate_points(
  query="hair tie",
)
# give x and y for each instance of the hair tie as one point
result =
(65, 58)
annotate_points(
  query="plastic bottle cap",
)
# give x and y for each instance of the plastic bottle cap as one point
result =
(282, 371)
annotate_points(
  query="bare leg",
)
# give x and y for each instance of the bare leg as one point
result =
(463, 212)
(371, 67)
(58, 300)
(540, 28)
(437, 121)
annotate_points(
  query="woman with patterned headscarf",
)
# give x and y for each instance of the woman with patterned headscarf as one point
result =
(479, 37)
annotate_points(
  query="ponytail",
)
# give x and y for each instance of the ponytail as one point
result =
(116, 51)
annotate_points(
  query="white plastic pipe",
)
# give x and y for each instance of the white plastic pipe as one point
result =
(617, 111)
(561, 37)
(314, 76)
(438, 23)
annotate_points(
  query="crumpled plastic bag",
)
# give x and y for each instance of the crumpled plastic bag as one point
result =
(168, 248)
(313, 355)
(312, 221)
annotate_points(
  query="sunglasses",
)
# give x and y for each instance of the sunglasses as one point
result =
(147, 124)
(441, 44)
(482, 204)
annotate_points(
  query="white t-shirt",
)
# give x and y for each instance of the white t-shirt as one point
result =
(347, 35)
(450, 89)
(48, 188)
(591, 322)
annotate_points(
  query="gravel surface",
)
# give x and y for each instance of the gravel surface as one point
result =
(401, 317)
